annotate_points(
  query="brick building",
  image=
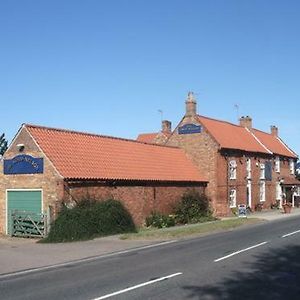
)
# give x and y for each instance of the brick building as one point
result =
(243, 165)
(45, 167)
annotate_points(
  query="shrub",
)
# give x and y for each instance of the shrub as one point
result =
(193, 208)
(159, 220)
(90, 219)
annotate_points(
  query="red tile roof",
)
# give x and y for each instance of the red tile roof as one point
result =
(273, 143)
(231, 136)
(78, 155)
(150, 137)
(147, 137)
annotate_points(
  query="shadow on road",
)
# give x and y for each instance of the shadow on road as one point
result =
(275, 275)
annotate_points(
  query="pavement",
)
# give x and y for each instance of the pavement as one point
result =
(18, 254)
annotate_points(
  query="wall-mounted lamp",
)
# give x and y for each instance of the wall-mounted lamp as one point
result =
(20, 147)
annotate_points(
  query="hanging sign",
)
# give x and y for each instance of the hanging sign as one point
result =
(23, 164)
(189, 128)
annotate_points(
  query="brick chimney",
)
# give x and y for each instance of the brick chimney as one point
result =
(246, 122)
(190, 105)
(274, 130)
(166, 126)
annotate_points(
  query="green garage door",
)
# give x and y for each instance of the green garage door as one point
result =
(30, 201)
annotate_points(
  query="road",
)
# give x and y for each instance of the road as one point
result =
(257, 262)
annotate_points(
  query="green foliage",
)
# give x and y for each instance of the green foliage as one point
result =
(193, 208)
(3, 144)
(234, 211)
(160, 221)
(90, 219)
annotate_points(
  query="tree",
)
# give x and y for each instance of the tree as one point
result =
(3, 144)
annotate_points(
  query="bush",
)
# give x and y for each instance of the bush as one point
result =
(193, 208)
(90, 219)
(159, 220)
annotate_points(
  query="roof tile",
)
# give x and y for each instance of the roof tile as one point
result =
(78, 155)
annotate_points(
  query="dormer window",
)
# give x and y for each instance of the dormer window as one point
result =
(232, 169)
(248, 168)
(262, 171)
(292, 167)
(277, 164)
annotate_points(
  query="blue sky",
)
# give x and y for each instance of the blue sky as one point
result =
(108, 66)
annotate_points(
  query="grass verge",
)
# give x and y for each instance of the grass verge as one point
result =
(190, 230)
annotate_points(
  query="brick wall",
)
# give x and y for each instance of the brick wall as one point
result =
(50, 182)
(202, 149)
(140, 200)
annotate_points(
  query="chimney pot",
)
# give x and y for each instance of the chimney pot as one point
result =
(246, 122)
(166, 126)
(274, 130)
(191, 105)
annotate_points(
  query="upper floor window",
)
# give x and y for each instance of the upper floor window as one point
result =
(232, 169)
(262, 171)
(277, 164)
(248, 168)
(232, 198)
(292, 167)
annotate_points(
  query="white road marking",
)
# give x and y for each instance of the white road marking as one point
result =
(88, 259)
(240, 251)
(288, 234)
(137, 286)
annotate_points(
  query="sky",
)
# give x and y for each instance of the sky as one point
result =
(108, 67)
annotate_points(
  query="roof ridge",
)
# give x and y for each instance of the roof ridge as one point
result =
(218, 120)
(286, 146)
(237, 125)
(94, 134)
(258, 140)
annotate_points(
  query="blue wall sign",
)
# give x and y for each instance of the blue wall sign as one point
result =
(23, 164)
(189, 128)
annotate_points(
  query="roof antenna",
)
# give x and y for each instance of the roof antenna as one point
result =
(161, 114)
(236, 106)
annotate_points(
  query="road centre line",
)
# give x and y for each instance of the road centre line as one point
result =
(137, 286)
(240, 251)
(291, 233)
(88, 259)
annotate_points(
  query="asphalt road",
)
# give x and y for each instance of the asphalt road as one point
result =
(258, 262)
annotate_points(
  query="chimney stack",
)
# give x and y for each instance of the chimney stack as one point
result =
(190, 105)
(246, 122)
(166, 126)
(274, 130)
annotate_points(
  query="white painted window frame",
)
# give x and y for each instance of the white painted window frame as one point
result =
(292, 167)
(278, 191)
(262, 173)
(262, 191)
(277, 164)
(248, 167)
(232, 198)
(232, 169)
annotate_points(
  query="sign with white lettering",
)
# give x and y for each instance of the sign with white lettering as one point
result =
(189, 128)
(23, 164)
